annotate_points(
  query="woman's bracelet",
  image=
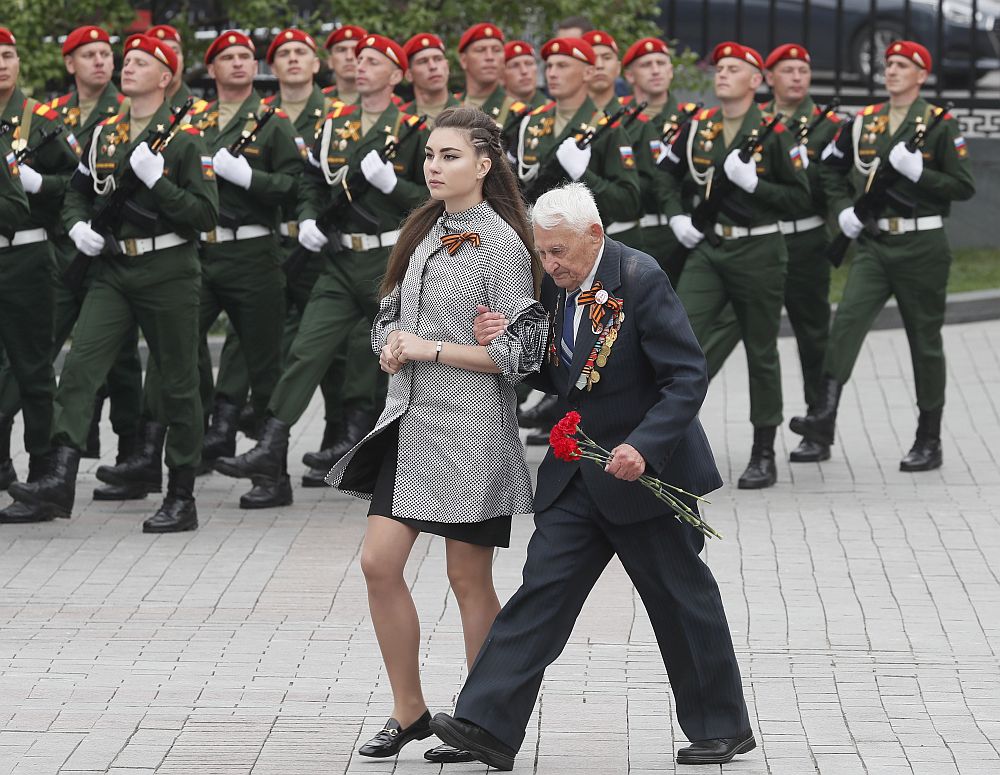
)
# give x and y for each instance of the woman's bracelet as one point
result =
(437, 354)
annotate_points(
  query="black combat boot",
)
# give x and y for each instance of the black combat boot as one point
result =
(331, 435)
(93, 450)
(925, 454)
(142, 473)
(178, 512)
(51, 492)
(809, 451)
(268, 460)
(7, 473)
(220, 438)
(821, 423)
(249, 421)
(128, 446)
(760, 471)
(357, 424)
(542, 415)
(268, 493)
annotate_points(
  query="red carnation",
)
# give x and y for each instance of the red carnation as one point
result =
(565, 449)
(570, 423)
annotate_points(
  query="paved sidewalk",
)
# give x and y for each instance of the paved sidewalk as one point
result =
(864, 604)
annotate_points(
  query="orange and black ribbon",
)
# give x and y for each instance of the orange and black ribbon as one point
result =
(597, 312)
(454, 241)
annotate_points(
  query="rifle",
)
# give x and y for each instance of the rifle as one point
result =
(116, 206)
(716, 202)
(227, 218)
(549, 175)
(509, 132)
(352, 187)
(677, 123)
(45, 137)
(807, 129)
(879, 191)
(5, 127)
(632, 113)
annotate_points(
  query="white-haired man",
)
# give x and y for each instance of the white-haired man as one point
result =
(642, 403)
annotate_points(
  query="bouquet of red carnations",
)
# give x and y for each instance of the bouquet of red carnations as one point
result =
(566, 446)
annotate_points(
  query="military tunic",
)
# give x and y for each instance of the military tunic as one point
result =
(745, 271)
(156, 288)
(913, 266)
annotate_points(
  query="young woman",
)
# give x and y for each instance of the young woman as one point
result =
(445, 456)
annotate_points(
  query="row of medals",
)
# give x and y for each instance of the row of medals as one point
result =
(590, 376)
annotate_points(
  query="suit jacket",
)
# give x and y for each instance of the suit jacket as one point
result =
(648, 396)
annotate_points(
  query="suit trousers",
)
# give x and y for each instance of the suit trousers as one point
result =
(572, 544)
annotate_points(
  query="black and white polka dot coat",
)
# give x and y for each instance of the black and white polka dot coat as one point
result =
(460, 456)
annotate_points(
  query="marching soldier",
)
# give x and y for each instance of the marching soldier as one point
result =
(607, 68)
(807, 284)
(428, 72)
(547, 155)
(343, 61)
(152, 280)
(521, 74)
(480, 53)
(178, 91)
(26, 265)
(908, 257)
(747, 269)
(350, 142)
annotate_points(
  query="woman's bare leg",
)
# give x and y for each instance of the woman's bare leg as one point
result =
(470, 571)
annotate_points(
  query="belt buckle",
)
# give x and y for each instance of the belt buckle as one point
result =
(131, 247)
(727, 231)
(212, 236)
(894, 226)
(293, 229)
(358, 243)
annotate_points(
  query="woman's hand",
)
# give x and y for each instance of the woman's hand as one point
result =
(387, 361)
(410, 347)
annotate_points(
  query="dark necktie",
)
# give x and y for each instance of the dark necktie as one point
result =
(568, 328)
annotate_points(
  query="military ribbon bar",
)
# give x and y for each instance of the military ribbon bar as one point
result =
(601, 304)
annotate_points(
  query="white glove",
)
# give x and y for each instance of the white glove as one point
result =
(87, 241)
(743, 175)
(685, 231)
(235, 169)
(849, 222)
(379, 173)
(804, 155)
(146, 165)
(908, 164)
(572, 159)
(310, 236)
(30, 179)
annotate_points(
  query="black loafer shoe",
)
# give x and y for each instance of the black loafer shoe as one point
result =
(474, 739)
(393, 737)
(448, 754)
(717, 751)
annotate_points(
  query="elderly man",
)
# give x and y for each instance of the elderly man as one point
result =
(643, 406)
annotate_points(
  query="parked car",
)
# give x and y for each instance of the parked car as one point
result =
(965, 32)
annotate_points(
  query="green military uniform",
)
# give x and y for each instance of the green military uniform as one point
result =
(180, 96)
(347, 289)
(909, 263)
(332, 94)
(154, 287)
(26, 269)
(498, 105)
(807, 285)
(538, 99)
(413, 108)
(746, 270)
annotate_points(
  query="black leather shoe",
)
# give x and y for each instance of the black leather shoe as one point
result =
(178, 512)
(925, 454)
(543, 415)
(268, 493)
(269, 459)
(315, 477)
(538, 438)
(717, 751)
(393, 737)
(93, 448)
(23, 513)
(809, 451)
(820, 424)
(474, 739)
(448, 754)
(761, 471)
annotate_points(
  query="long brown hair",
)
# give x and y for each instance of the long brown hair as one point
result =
(500, 189)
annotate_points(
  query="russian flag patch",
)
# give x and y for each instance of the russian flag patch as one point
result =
(960, 146)
(12, 164)
(71, 139)
(795, 154)
(628, 158)
(207, 170)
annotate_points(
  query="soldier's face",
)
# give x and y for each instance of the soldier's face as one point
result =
(568, 254)
(607, 69)
(482, 61)
(651, 75)
(566, 76)
(92, 64)
(295, 64)
(521, 74)
(790, 81)
(453, 169)
(174, 46)
(735, 78)
(143, 74)
(902, 75)
(376, 72)
(429, 70)
(343, 60)
(233, 66)
(10, 67)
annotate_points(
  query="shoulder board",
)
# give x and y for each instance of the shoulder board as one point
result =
(517, 106)
(58, 102)
(642, 117)
(707, 113)
(330, 90)
(120, 98)
(780, 127)
(341, 109)
(190, 129)
(687, 107)
(397, 100)
(543, 109)
(405, 107)
(280, 113)
(411, 120)
(200, 106)
(111, 120)
(626, 100)
(867, 111)
(947, 116)
(269, 100)
(45, 110)
(834, 118)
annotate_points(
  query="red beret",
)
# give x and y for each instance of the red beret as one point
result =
(7, 37)
(732, 49)
(385, 46)
(787, 51)
(226, 40)
(642, 47)
(81, 36)
(290, 35)
(916, 53)
(155, 49)
(518, 48)
(570, 47)
(164, 32)
(600, 38)
(481, 31)
(420, 41)
(342, 33)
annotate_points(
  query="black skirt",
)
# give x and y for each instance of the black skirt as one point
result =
(490, 532)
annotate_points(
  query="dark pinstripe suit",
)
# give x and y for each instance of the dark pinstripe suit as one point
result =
(649, 397)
